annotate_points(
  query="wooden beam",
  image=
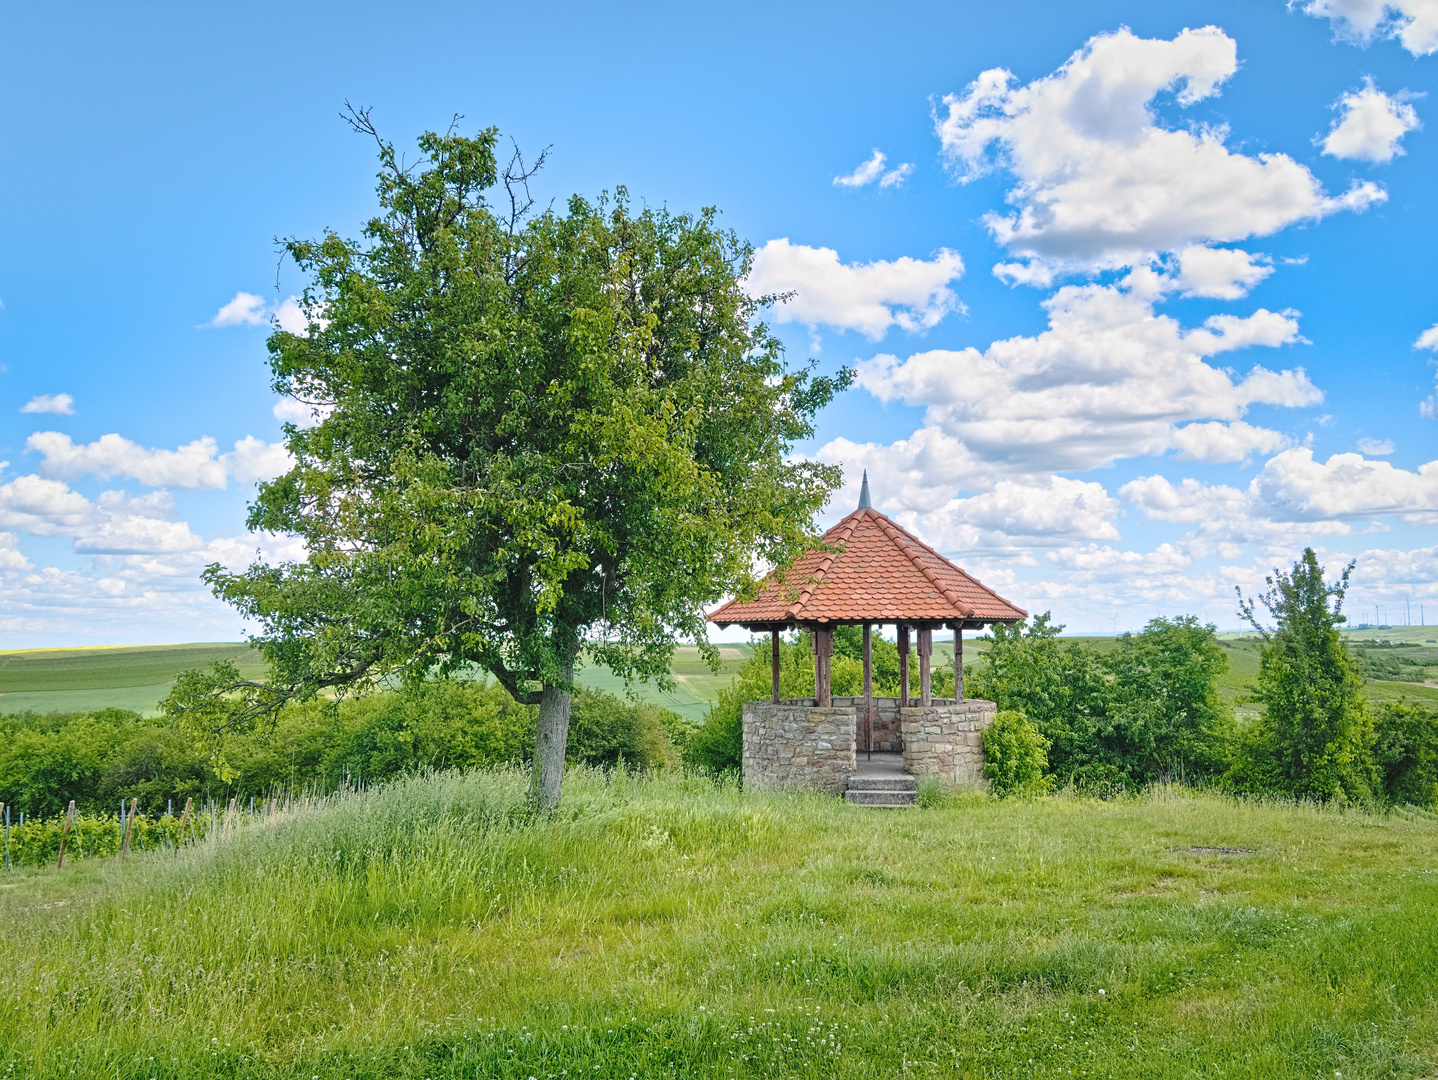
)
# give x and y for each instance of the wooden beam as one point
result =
(823, 658)
(926, 647)
(869, 688)
(958, 661)
(774, 648)
(903, 666)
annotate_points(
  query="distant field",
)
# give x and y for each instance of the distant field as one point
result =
(138, 677)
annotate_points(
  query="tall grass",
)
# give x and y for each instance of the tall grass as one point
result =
(670, 926)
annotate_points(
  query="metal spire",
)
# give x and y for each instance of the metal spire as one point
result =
(864, 503)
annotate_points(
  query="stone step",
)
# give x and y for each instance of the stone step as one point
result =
(883, 783)
(882, 798)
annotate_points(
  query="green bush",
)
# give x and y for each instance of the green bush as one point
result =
(1015, 755)
(1405, 751)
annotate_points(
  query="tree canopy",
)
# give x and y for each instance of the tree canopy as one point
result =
(538, 435)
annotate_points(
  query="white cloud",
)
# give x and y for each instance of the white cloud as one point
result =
(1012, 514)
(1413, 22)
(113, 523)
(11, 558)
(59, 404)
(1346, 486)
(912, 294)
(873, 170)
(1371, 127)
(195, 465)
(1428, 339)
(896, 176)
(1100, 183)
(247, 309)
(1108, 379)
(866, 173)
(1220, 273)
(300, 413)
(1375, 447)
(1216, 441)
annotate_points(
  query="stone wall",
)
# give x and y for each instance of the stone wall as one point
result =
(946, 739)
(792, 744)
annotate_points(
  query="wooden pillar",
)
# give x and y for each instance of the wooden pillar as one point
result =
(958, 661)
(823, 656)
(774, 648)
(926, 647)
(869, 688)
(903, 666)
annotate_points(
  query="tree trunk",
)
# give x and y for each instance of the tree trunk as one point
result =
(551, 737)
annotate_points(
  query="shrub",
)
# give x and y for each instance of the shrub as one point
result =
(1015, 755)
(1405, 751)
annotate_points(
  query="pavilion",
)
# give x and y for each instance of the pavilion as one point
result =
(874, 573)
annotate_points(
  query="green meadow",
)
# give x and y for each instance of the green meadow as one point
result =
(673, 927)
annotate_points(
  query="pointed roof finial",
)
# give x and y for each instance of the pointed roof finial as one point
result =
(864, 503)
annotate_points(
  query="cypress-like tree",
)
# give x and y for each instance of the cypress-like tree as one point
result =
(1313, 738)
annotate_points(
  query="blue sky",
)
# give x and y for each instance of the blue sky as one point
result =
(1214, 227)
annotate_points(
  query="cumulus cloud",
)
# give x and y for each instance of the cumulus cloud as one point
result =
(1371, 127)
(1428, 339)
(198, 464)
(1375, 447)
(1031, 512)
(1293, 497)
(300, 413)
(1218, 442)
(912, 294)
(1219, 273)
(873, 170)
(11, 558)
(1100, 182)
(1108, 379)
(247, 309)
(1413, 22)
(113, 523)
(59, 404)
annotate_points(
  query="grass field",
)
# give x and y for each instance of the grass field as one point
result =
(667, 927)
(138, 677)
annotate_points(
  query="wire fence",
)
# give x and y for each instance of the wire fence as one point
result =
(31, 842)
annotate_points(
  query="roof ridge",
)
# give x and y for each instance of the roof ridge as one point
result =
(807, 593)
(900, 537)
(966, 575)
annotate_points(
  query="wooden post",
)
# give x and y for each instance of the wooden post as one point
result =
(184, 820)
(129, 819)
(65, 832)
(774, 648)
(903, 666)
(958, 661)
(823, 655)
(926, 648)
(869, 689)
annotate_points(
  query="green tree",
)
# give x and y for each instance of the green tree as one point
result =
(1313, 739)
(542, 440)
(1168, 721)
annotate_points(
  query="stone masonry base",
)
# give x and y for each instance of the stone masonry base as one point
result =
(794, 744)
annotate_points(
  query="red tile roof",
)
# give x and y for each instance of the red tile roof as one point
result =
(882, 574)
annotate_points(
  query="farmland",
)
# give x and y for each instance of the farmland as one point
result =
(138, 677)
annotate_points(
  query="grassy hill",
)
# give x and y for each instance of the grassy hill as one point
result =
(138, 677)
(668, 927)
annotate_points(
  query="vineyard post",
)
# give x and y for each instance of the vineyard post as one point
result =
(125, 843)
(7, 835)
(65, 832)
(184, 820)
(230, 816)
